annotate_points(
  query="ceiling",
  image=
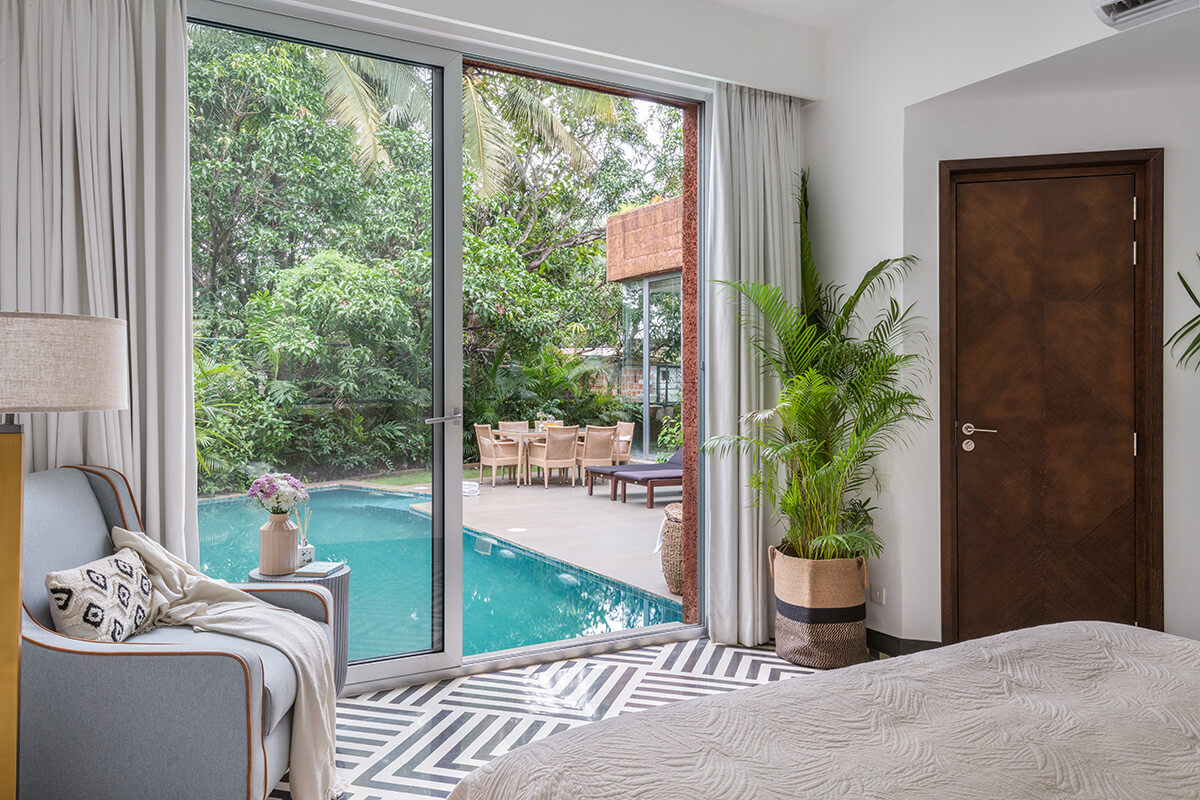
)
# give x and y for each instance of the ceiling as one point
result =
(822, 14)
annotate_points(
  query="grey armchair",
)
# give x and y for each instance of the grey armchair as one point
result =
(169, 713)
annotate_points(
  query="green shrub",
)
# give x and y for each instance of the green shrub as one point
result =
(670, 435)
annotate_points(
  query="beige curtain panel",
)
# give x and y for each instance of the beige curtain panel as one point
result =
(755, 173)
(94, 219)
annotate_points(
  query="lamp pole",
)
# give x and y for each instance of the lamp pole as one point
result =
(12, 480)
(48, 363)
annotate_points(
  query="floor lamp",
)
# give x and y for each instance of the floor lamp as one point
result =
(48, 362)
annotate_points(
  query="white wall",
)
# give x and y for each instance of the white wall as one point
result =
(696, 39)
(969, 126)
(876, 66)
(887, 59)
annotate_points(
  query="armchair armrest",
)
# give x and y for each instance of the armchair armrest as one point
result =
(306, 599)
(188, 708)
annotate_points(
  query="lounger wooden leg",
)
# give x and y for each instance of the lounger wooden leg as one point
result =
(612, 487)
(649, 495)
(624, 489)
(590, 480)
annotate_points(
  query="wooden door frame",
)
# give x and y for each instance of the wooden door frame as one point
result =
(1146, 166)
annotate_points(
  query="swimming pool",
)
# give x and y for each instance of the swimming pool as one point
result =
(512, 596)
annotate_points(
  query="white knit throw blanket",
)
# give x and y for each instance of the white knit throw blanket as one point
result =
(186, 596)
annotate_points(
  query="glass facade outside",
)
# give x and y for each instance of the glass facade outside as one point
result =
(650, 366)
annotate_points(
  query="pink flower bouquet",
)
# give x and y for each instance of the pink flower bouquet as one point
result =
(277, 492)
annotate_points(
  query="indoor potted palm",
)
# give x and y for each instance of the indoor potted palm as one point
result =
(845, 397)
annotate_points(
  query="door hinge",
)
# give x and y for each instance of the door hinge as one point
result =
(1135, 208)
(1135, 444)
(1135, 252)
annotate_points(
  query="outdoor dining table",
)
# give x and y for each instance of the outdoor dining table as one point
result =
(523, 438)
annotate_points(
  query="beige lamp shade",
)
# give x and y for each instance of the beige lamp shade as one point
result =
(62, 362)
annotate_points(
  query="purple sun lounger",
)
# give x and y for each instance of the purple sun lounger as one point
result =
(669, 473)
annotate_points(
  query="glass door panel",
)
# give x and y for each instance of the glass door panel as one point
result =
(664, 388)
(323, 337)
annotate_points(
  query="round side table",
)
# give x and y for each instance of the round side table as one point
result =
(338, 584)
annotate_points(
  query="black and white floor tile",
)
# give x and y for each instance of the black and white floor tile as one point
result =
(419, 741)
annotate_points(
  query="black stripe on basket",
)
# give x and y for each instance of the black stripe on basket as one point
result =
(821, 616)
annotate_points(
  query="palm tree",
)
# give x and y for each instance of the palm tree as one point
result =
(845, 399)
(1188, 334)
(364, 93)
(848, 391)
(554, 374)
(210, 414)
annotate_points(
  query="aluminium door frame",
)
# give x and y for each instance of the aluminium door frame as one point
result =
(1146, 167)
(385, 37)
(447, 301)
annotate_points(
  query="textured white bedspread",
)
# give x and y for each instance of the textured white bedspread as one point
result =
(1081, 710)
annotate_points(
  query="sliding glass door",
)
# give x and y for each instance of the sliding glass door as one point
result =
(331, 197)
(326, 201)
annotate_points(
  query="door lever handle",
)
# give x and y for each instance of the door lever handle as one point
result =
(970, 429)
(452, 419)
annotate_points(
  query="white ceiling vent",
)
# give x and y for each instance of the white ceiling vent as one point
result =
(1122, 14)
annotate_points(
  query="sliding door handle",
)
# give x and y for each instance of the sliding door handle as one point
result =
(453, 419)
(970, 429)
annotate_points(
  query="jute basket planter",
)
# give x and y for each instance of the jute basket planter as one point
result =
(820, 610)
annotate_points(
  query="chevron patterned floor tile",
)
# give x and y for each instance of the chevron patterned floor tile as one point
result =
(419, 741)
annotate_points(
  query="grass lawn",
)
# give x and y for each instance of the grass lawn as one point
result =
(406, 478)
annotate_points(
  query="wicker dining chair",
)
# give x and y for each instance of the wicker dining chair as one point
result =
(520, 425)
(494, 453)
(557, 452)
(624, 445)
(596, 449)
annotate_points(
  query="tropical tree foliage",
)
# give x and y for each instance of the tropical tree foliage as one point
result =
(312, 196)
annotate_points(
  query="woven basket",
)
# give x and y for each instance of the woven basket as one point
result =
(820, 610)
(672, 548)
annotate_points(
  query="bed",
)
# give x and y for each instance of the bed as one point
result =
(1081, 710)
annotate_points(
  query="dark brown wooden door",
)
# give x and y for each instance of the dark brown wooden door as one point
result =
(1045, 357)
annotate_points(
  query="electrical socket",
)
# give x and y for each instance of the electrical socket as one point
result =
(878, 595)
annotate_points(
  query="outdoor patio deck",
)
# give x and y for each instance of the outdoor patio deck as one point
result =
(612, 538)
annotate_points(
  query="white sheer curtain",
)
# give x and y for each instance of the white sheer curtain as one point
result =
(755, 173)
(94, 219)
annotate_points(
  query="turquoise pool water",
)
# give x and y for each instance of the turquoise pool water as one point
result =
(512, 596)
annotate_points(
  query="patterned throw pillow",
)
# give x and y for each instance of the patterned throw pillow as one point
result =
(107, 600)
